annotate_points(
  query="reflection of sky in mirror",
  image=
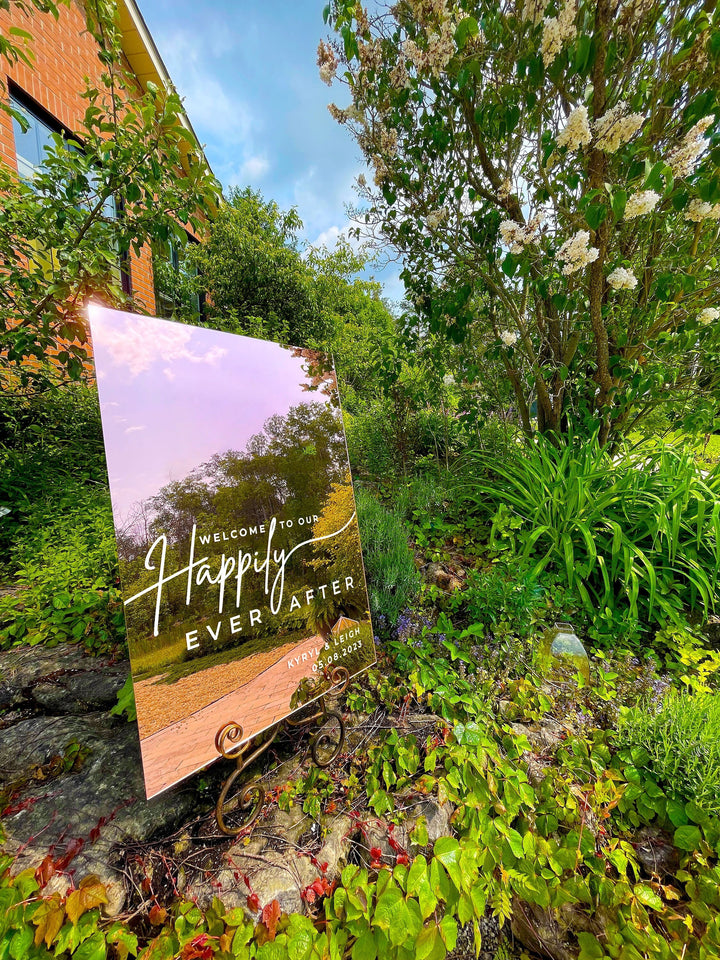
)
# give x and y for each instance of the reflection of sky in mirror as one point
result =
(173, 395)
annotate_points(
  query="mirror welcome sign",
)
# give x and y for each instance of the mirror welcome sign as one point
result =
(237, 535)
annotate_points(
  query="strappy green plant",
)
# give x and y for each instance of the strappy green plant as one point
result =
(639, 528)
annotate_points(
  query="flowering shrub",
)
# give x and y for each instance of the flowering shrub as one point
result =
(533, 160)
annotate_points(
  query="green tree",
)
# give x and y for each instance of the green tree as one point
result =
(252, 271)
(60, 235)
(548, 171)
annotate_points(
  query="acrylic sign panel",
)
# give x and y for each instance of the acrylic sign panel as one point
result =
(234, 512)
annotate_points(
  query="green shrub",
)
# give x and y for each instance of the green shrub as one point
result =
(505, 599)
(393, 580)
(680, 745)
(65, 567)
(47, 441)
(639, 530)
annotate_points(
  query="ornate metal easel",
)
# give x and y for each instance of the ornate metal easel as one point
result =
(248, 800)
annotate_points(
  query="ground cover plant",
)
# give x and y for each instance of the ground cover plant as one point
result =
(534, 438)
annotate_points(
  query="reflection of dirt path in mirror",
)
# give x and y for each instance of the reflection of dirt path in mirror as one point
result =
(163, 704)
(186, 746)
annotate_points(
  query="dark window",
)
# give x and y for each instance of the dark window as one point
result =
(31, 140)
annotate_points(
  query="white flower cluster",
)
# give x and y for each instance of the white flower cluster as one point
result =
(437, 217)
(576, 254)
(386, 141)
(505, 189)
(534, 10)
(448, 379)
(700, 210)
(437, 54)
(399, 76)
(577, 130)
(640, 203)
(616, 127)
(516, 236)
(370, 54)
(683, 158)
(362, 181)
(707, 315)
(622, 279)
(327, 61)
(381, 171)
(557, 31)
(509, 338)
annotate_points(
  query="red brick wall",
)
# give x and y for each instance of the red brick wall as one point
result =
(64, 55)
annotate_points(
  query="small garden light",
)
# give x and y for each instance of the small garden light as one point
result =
(563, 652)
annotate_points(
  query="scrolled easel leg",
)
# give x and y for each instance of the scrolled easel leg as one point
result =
(244, 806)
(326, 745)
(248, 803)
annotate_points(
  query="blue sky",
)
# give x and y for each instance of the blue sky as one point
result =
(252, 91)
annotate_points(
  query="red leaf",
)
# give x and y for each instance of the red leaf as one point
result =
(45, 871)
(375, 853)
(270, 916)
(253, 902)
(71, 851)
(157, 915)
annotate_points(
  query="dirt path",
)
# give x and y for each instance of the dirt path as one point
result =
(173, 753)
(161, 704)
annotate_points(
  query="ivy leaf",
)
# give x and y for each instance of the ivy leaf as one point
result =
(648, 897)
(364, 948)
(590, 947)
(426, 941)
(687, 838)
(92, 949)
(88, 896)
(270, 916)
(447, 851)
(387, 908)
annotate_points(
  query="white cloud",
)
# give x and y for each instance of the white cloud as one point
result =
(252, 170)
(135, 429)
(169, 374)
(143, 341)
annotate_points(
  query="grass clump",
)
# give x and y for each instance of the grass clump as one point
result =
(681, 744)
(393, 580)
(636, 531)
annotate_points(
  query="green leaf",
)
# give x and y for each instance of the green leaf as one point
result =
(364, 948)
(595, 215)
(93, 948)
(468, 27)
(647, 897)
(447, 851)
(590, 947)
(687, 838)
(387, 906)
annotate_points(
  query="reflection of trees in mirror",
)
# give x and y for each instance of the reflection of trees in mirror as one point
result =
(320, 372)
(289, 470)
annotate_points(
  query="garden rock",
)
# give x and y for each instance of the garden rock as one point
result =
(655, 853)
(61, 679)
(437, 574)
(540, 931)
(74, 772)
(493, 945)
